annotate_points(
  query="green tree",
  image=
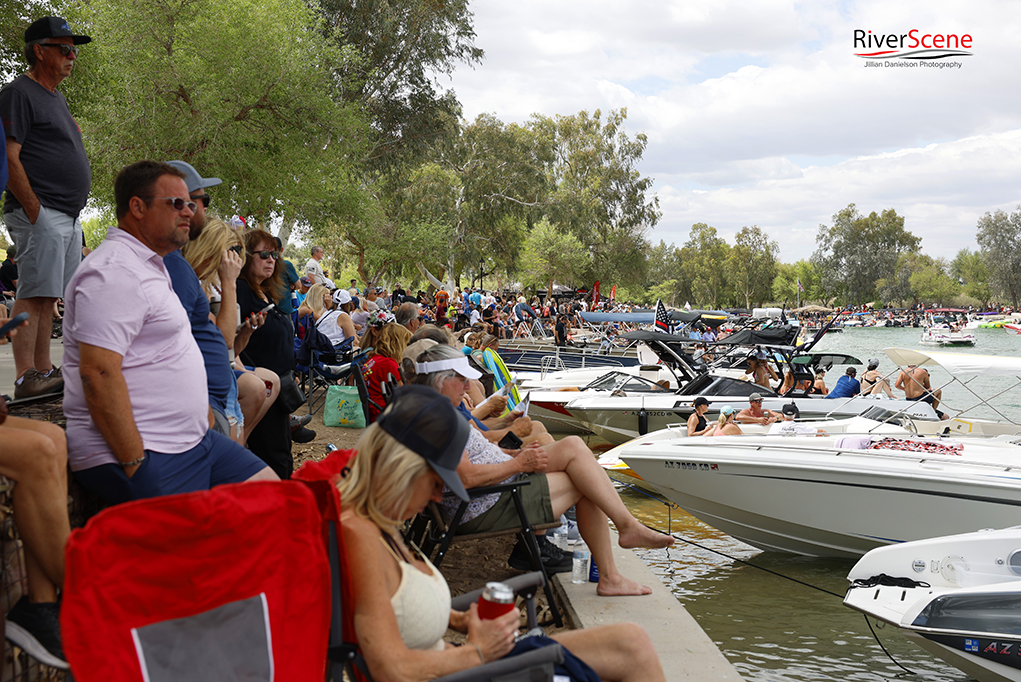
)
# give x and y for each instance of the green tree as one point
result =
(898, 288)
(999, 236)
(858, 250)
(596, 191)
(666, 274)
(550, 254)
(751, 265)
(183, 79)
(969, 267)
(934, 283)
(788, 275)
(705, 261)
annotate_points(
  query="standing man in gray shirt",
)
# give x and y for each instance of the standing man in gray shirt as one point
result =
(49, 183)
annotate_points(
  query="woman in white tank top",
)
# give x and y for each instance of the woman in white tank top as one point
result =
(401, 601)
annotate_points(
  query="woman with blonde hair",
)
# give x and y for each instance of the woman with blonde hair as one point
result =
(401, 601)
(726, 424)
(209, 255)
(383, 368)
(330, 312)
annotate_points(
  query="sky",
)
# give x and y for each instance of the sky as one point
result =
(760, 113)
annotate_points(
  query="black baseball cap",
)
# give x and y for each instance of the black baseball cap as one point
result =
(424, 421)
(791, 408)
(699, 401)
(53, 27)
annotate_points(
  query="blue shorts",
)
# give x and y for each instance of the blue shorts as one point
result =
(214, 461)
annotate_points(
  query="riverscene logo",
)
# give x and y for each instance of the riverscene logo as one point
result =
(913, 49)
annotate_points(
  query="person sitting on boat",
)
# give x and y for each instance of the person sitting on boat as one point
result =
(914, 381)
(697, 424)
(754, 414)
(847, 386)
(820, 382)
(759, 370)
(725, 424)
(872, 382)
(789, 427)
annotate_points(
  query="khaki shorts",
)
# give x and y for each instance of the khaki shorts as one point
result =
(504, 514)
(48, 252)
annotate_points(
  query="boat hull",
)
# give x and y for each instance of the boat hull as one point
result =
(822, 501)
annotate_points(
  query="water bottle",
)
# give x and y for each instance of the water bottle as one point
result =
(579, 567)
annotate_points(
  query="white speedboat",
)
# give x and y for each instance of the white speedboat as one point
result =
(958, 597)
(836, 495)
(942, 335)
(548, 406)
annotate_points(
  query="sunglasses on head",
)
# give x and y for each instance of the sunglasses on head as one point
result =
(266, 255)
(65, 50)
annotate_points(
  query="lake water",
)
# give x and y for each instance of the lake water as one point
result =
(774, 629)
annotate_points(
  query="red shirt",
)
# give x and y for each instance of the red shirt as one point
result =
(375, 372)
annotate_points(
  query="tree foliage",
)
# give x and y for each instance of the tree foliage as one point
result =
(858, 250)
(182, 79)
(999, 236)
(751, 265)
(788, 275)
(971, 271)
(933, 282)
(705, 259)
(550, 254)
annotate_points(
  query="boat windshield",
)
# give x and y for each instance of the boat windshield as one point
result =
(977, 613)
(620, 381)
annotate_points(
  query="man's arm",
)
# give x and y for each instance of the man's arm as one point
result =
(106, 395)
(17, 181)
(900, 381)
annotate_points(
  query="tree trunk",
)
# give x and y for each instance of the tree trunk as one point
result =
(285, 232)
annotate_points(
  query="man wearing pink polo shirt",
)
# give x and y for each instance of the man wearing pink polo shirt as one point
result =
(135, 384)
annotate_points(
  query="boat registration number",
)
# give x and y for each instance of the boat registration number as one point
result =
(692, 466)
(634, 413)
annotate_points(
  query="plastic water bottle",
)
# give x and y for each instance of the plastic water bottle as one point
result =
(579, 568)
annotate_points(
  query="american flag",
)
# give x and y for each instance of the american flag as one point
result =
(800, 288)
(662, 317)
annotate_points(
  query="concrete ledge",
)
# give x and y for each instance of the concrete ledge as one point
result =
(684, 649)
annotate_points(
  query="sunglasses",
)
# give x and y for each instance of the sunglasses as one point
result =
(266, 255)
(177, 202)
(236, 249)
(65, 50)
(204, 198)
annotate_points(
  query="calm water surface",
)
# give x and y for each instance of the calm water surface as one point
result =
(774, 629)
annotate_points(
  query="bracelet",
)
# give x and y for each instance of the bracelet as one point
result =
(479, 651)
(133, 463)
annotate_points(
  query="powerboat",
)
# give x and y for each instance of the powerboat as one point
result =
(842, 495)
(836, 495)
(942, 335)
(957, 596)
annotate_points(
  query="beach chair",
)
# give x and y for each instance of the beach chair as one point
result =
(230, 583)
(343, 653)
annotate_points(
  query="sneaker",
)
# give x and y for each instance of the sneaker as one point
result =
(573, 535)
(303, 435)
(554, 560)
(34, 384)
(297, 421)
(36, 629)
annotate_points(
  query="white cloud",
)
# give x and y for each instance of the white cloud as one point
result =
(759, 112)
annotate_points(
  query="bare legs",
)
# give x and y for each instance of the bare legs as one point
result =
(35, 455)
(621, 652)
(253, 399)
(32, 345)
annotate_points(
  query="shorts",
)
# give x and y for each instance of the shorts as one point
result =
(234, 414)
(220, 422)
(504, 514)
(214, 461)
(48, 252)
(926, 397)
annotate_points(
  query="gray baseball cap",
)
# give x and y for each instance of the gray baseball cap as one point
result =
(192, 177)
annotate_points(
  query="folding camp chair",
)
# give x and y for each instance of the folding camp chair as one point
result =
(433, 534)
(344, 655)
(327, 369)
(230, 583)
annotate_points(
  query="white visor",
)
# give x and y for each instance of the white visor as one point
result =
(459, 365)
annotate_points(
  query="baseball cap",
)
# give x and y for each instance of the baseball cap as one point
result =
(424, 421)
(727, 410)
(754, 396)
(791, 408)
(851, 371)
(307, 281)
(192, 177)
(873, 363)
(341, 296)
(53, 27)
(699, 401)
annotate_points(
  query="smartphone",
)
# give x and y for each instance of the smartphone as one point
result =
(264, 310)
(12, 323)
(510, 441)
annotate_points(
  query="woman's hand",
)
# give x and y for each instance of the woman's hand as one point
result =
(230, 266)
(533, 458)
(494, 637)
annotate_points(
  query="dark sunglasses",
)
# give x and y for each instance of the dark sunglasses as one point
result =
(64, 49)
(177, 202)
(204, 198)
(266, 255)
(236, 249)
